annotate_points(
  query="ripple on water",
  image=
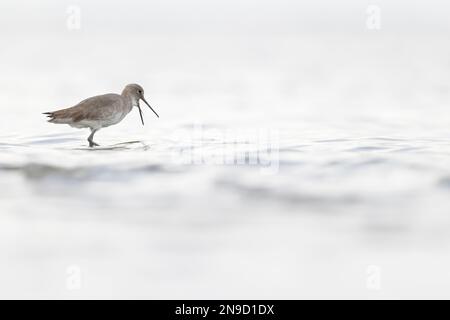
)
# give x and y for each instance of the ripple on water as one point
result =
(367, 148)
(130, 145)
(52, 141)
(286, 196)
(444, 183)
(38, 171)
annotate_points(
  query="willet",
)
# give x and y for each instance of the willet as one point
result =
(101, 111)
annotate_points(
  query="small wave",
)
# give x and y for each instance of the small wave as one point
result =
(293, 149)
(407, 149)
(386, 139)
(266, 193)
(52, 141)
(130, 145)
(367, 148)
(37, 171)
(332, 140)
(5, 145)
(444, 182)
(369, 162)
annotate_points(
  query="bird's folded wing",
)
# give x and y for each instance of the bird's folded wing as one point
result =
(95, 108)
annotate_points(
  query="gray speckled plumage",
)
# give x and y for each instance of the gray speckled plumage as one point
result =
(101, 111)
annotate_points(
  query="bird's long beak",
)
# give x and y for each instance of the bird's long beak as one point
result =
(140, 113)
(149, 106)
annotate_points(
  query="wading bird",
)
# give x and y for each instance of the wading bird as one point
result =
(101, 111)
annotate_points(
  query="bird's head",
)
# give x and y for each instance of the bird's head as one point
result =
(136, 93)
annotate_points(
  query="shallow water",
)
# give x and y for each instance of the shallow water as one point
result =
(297, 178)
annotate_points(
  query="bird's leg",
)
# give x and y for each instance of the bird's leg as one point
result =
(91, 139)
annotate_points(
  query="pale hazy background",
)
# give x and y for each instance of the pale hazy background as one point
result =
(357, 208)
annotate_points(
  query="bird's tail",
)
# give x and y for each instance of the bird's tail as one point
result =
(52, 117)
(64, 116)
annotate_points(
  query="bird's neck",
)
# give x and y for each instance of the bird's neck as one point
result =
(130, 100)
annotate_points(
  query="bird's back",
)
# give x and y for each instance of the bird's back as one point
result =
(102, 110)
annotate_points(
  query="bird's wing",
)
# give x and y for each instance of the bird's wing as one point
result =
(94, 108)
